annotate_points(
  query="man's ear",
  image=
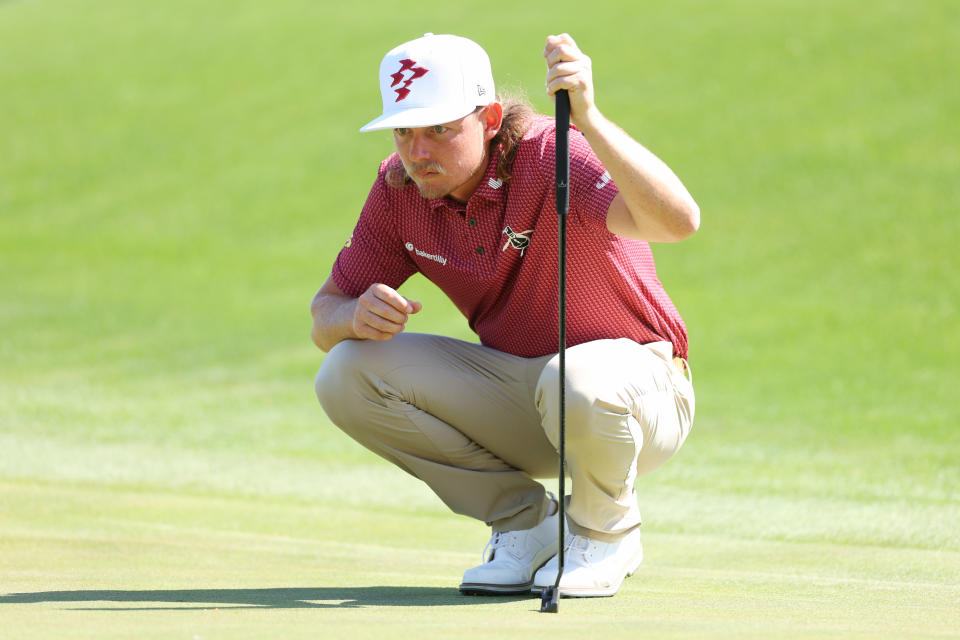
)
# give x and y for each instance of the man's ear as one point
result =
(492, 117)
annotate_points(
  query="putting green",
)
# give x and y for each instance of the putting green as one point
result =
(176, 179)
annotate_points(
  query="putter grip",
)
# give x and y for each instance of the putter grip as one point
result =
(563, 152)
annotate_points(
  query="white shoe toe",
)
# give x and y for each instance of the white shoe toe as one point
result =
(592, 567)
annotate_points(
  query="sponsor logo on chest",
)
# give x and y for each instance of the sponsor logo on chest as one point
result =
(423, 254)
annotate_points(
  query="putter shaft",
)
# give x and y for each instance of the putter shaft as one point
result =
(550, 596)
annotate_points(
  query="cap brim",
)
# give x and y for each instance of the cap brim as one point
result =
(417, 117)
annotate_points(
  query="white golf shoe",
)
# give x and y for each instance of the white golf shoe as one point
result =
(514, 557)
(591, 567)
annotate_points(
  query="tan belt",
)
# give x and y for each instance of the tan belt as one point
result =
(680, 364)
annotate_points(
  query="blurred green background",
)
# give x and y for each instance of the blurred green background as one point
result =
(177, 178)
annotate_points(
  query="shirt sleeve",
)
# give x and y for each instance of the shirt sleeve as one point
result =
(591, 187)
(374, 252)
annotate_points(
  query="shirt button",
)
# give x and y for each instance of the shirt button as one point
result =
(472, 222)
(480, 250)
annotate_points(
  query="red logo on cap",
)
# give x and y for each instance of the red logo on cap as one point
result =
(406, 66)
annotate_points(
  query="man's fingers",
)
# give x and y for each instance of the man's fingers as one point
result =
(568, 73)
(369, 333)
(373, 319)
(394, 299)
(381, 312)
(382, 309)
(561, 48)
(567, 67)
(554, 41)
(562, 53)
(389, 296)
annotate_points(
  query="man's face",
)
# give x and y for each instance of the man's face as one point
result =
(447, 159)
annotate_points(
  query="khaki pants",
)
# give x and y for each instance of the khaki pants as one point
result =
(478, 425)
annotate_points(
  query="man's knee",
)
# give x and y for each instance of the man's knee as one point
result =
(589, 402)
(335, 384)
(606, 382)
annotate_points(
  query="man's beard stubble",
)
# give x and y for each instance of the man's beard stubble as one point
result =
(438, 191)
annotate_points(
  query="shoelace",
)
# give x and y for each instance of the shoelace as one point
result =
(579, 544)
(497, 540)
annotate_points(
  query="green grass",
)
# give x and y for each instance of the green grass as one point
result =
(184, 563)
(176, 179)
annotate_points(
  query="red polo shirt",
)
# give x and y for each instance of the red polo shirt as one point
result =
(496, 256)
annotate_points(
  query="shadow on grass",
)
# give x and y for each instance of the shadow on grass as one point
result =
(298, 598)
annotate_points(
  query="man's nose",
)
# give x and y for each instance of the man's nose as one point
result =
(419, 148)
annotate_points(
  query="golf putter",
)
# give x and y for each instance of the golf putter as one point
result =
(550, 596)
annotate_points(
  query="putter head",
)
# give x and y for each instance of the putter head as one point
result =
(550, 599)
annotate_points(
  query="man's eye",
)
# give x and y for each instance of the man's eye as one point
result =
(437, 129)
(402, 132)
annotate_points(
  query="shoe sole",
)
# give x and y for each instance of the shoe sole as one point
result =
(574, 592)
(490, 589)
(477, 589)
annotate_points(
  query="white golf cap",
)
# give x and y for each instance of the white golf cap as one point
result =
(432, 80)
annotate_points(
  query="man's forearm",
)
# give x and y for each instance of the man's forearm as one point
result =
(332, 319)
(660, 208)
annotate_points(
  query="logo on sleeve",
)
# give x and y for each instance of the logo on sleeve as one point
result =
(409, 71)
(604, 180)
